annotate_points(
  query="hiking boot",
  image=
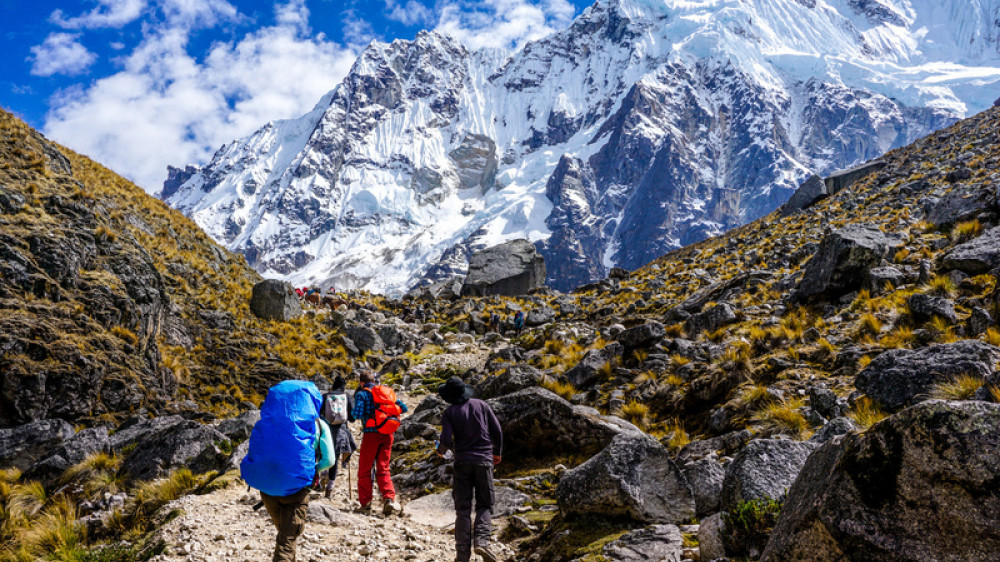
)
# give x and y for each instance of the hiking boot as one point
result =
(390, 507)
(486, 553)
(329, 492)
(364, 509)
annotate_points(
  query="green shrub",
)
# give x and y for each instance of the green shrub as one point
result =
(749, 524)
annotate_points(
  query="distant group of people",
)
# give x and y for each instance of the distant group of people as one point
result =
(303, 439)
(304, 292)
(502, 325)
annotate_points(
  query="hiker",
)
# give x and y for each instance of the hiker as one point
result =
(494, 322)
(518, 322)
(337, 411)
(470, 429)
(378, 410)
(287, 447)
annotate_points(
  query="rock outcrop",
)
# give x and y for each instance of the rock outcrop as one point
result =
(511, 269)
(21, 446)
(662, 543)
(901, 377)
(977, 256)
(921, 485)
(186, 444)
(275, 300)
(842, 262)
(633, 477)
(765, 468)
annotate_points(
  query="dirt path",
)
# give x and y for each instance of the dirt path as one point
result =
(222, 526)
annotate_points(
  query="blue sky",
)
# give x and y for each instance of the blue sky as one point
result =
(139, 84)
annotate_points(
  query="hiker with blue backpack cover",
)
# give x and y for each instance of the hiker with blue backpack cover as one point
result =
(288, 447)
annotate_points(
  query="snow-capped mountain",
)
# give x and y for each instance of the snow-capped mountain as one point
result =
(644, 126)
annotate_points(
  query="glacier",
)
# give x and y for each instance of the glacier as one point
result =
(644, 126)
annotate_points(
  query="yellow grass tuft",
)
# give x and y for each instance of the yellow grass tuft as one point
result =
(866, 413)
(637, 414)
(959, 388)
(563, 389)
(965, 231)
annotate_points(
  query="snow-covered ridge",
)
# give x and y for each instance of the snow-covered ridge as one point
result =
(645, 125)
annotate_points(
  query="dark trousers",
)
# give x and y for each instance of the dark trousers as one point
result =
(289, 515)
(472, 481)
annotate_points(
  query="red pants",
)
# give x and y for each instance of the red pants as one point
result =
(375, 449)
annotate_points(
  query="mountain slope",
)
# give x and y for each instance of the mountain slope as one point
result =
(112, 304)
(643, 127)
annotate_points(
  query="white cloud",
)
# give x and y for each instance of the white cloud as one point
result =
(165, 107)
(503, 23)
(409, 13)
(199, 13)
(61, 53)
(108, 13)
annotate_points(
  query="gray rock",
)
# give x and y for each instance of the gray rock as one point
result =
(540, 315)
(512, 268)
(133, 430)
(325, 514)
(808, 193)
(705, 476)
(588, 371)
(448, 289)
(238, 429)
(22, 445)
(238, 455)
(765, 468)
(901, 377)
(512, 379)
(979, 321)
(364, 338)
(957, 205)
(710, 320)
(825, 402)
(924, 307)
(710, 537)
(842, 262)
(73, 450)
(547, 425)
(842, 179)
(836, 427)
(977, 256)
(187, 444)
(920, 485)
(275, 300)
(642, 335)
(633, 477)
(879, 277)
(662, 543)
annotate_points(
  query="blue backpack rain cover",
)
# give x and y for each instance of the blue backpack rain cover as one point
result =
(282, 455)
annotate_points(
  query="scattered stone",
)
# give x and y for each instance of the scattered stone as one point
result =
(901, 377)
(842, 262)
(920, 485)
(711, 535)
(642, 335)
(662, 543)
(925, 307)
(21, 446)
(765, 468)
(633, 477)
(977, 256)
(712, 319)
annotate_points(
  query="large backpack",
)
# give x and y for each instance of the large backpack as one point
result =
(282, 458)
(335, 409)
(387, 412)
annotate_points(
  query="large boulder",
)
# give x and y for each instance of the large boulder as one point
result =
(132, 431)
(589, 369)
(547, 426)
(706, 477)
(921, 485)
(186, 444)
(957, 205)
(710, 320)
(512, 379)
(925, 307)
(633, 477)
(70, 452)
(513, 268)
(842, 262)
(540, 315)
(765, 468)
(238, 429)
(808, 193)
(662, 543)
(977, 256)
(901, 377)
(21, 446)
(642, 335)
(275, 300)
(365, 338)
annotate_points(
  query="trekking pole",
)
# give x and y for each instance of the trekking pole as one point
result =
(350, 492)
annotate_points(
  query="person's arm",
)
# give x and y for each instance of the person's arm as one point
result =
(496, 434)
(402, 407)
(446, 435)
(360, 409)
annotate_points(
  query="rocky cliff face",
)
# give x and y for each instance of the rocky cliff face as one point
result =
(643, 127)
